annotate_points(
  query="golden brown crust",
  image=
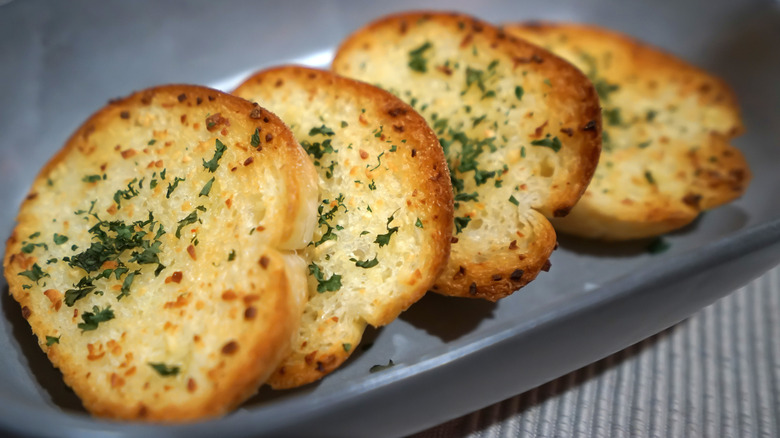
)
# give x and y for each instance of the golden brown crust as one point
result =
(201, 296)
(668, 119)
(506, 271)
(538, 98)
(384, 162)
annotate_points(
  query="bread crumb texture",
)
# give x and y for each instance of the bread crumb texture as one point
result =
(667, 127)
(154, 255)
(519, 126)
(385, 211)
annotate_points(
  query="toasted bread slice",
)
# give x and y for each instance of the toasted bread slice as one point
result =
(385, 218)
(520, 128)
(667, 126)
(152, 256)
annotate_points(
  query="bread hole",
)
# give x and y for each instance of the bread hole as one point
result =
(386, 274)
(546, 169)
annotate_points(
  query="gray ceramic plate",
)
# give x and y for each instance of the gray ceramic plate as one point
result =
(62, 61)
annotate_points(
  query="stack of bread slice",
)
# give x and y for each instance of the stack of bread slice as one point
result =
(187, 246)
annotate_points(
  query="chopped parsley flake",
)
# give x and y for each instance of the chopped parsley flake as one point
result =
(232, 255)
(519, 92)
(604, 88)
(172, 186)
(613, 117)
(332, 284)
(461, 223)
(130, 193)
(552, 143)
(379, 162)
(467, 197)
(212, 164)
(91, 178)
(59, 239)
(416, 60)
(151, 142)
(190, 219)
(34, 274)
(419, 223)
(164, 370)
(322, 130)
(94, 318)
(649, 177)
(377, 368)
(255, 139)
(51, 340)
(316, 149)
(126, 284)
(346, 347)
(384, 239)
(207, 188)
(365, 263)
(325, 217)
(513, 200)
(658, 245)
(30, 247)
(650, 116)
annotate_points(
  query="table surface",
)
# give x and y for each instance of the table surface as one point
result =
(716, 374)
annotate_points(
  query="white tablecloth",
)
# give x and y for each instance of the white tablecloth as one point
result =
(716, 374)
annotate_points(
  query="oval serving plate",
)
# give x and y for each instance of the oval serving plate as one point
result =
(452, 356)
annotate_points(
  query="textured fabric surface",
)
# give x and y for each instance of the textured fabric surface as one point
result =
(716, 374)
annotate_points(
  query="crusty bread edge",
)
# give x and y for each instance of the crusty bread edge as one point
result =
(244, 384)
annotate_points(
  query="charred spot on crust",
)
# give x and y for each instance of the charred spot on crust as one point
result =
(125, 115)
(87, 132)
(264, 261)
(516, 275)
(496, 277)
(256, 113)
(397, 111)
(182, 97)
(547, 266)
(214, 121)
(26, 312)
(590, 126)
(147, 97)
(692, 200)
(561, 212)
(567, 131)
(473, 289)
(527, 59)
(737, 174)
(199, 100)
(230, 348)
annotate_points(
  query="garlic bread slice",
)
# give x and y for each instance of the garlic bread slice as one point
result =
(385, 213)
(153, 255)
(520, 128)
(667, 127)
